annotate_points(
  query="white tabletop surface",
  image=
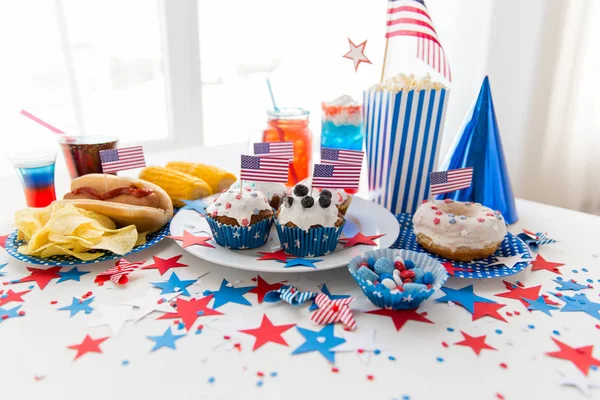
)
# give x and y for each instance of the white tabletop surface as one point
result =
(36, 345)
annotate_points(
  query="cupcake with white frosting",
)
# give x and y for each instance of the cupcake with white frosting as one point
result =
(240, 220)
(274, 191)
(339, 197)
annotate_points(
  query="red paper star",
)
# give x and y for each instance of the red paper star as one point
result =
(88, 345)
(357, 54)
(267, 332)
(518, 293)
(475, 343)
(451, 269)
(359, 238)
(41, 276)
(262, 287)
(400, 317)
(190, 310)
(487, 309)
(164, 264)
(12, 296)
(189, 239)
(580, 356)
(539, 263)
(279, 255)
(3, 241)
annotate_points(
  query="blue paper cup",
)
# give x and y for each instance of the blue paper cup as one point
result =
(402, 137)
(313, 242)
(240, 237)
(409, 298)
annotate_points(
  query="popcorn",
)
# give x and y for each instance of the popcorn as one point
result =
(407, 82)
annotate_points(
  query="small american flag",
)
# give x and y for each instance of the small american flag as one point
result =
(410, 18)
(118, 274)
(274, 149)
(331, 311)
(115, 160)
(264, 169)
(340, 156)
(344, 176)
(448, 181)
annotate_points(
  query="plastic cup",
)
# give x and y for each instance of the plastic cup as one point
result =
(82, 153)
(36, 172)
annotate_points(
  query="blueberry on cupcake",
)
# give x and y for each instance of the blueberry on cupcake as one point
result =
(338, 197)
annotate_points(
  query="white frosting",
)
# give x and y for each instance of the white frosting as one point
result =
(454, 224)
(407, 82)
(241, 207)
(347, 114)
(269, 189)
(338, 196)
(306, 217)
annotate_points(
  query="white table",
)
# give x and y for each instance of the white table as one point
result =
(36, 344)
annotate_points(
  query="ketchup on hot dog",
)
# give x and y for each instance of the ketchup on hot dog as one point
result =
(131, 190)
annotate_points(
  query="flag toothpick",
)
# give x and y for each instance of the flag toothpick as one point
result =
(451, 180)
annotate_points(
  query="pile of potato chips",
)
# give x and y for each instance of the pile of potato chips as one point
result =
(63, 229)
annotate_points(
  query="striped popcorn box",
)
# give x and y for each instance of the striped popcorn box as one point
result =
(402, 134)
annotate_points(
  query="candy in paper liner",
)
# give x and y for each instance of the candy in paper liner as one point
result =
(240, 237)
(409, 298)
(313, 242)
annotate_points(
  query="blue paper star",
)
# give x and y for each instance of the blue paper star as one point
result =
(540, 305)
(196, 205)
(228, 294)
(174, 285)
(465, 297)
(301, 262)
(580, 302)
(322, 341)
(2, 266)
(166, 340)
(73, 274)
(79, 305)
(569, 285)
(9, 313)
(326, 291)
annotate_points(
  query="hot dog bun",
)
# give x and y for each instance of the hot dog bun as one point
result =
(145, 218)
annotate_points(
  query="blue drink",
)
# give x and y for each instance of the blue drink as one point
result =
(341, 124)
(37, 178)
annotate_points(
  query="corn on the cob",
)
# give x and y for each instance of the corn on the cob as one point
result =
(178, 185)
(217, 178)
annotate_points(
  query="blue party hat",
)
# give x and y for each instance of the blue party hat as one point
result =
(479, 146)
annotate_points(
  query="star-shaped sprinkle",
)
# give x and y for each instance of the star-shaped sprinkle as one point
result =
(465, 297)
(487, 309)
(301, 262)
(2, 266)
(112, 316)
(540, 305)
(322, 341)
(152, 301)
(359, 238)
(229, 294)
(165, 264)
(12, 296)
(71, 275)
(88, 345)
(78, 305)
(580, 302)
(520, 293)
(196, 205)
(279, 255)
(569, 285)
(477, 343)
(41, 276)
(451, 269)
(357, 54)
(400, 317)
(167, 339)
(580, 381)
(580, 356)
(464, 233)
(510, 262)
(190, 310)
(174, 285)
(262, 287)
(326, 291)
(10, 313)
(188, 239)
(541, 264)
(267, 332)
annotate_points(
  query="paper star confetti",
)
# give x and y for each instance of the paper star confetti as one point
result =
(2, 266)
(401, 317)
(190, 310)
(196, 205)
(580, 356)
(451, 269)
(541, 264)
(580, 302)
(359, 238)
(119, 274)
(12, 296)
(510, 262)
(322, 341)
(267, 332)
(174, 285)
(301, 262)
(41, 276)
(569, 285)
(580, 381)
(332, 311)
(78, 305)
(188, 239)
(481, 310)
(10, 313)
(263, 287)
(520, 293)
(229, 294)
(112, 316)
(540, 305)
(279, 255)
(152, 301)
(290, 295)
(167, 339)
(164, 264)
(465, 297)
(71, 275)
(88, 345)
(3, 241)
(357, 54)
(476, 343)
(326, 291)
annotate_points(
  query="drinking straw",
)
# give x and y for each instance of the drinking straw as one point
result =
(271, 94)
(41, 122)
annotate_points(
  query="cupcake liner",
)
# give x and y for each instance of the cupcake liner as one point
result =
(408, 299)
(313, 242)
(240, 237)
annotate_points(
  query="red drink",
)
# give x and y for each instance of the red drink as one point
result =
(82, 153)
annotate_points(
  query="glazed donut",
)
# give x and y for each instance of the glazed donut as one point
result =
(458, 231)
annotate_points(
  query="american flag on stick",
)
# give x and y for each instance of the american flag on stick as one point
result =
(274, 149)
(410, 18)
(344, 176)
(340, 156)
(264, 169)
(115, 160)
(118, 274)
(449, 181)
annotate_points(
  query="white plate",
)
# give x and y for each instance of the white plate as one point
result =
(362, 216)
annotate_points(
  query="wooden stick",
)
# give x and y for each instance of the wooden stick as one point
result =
(384, 60)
